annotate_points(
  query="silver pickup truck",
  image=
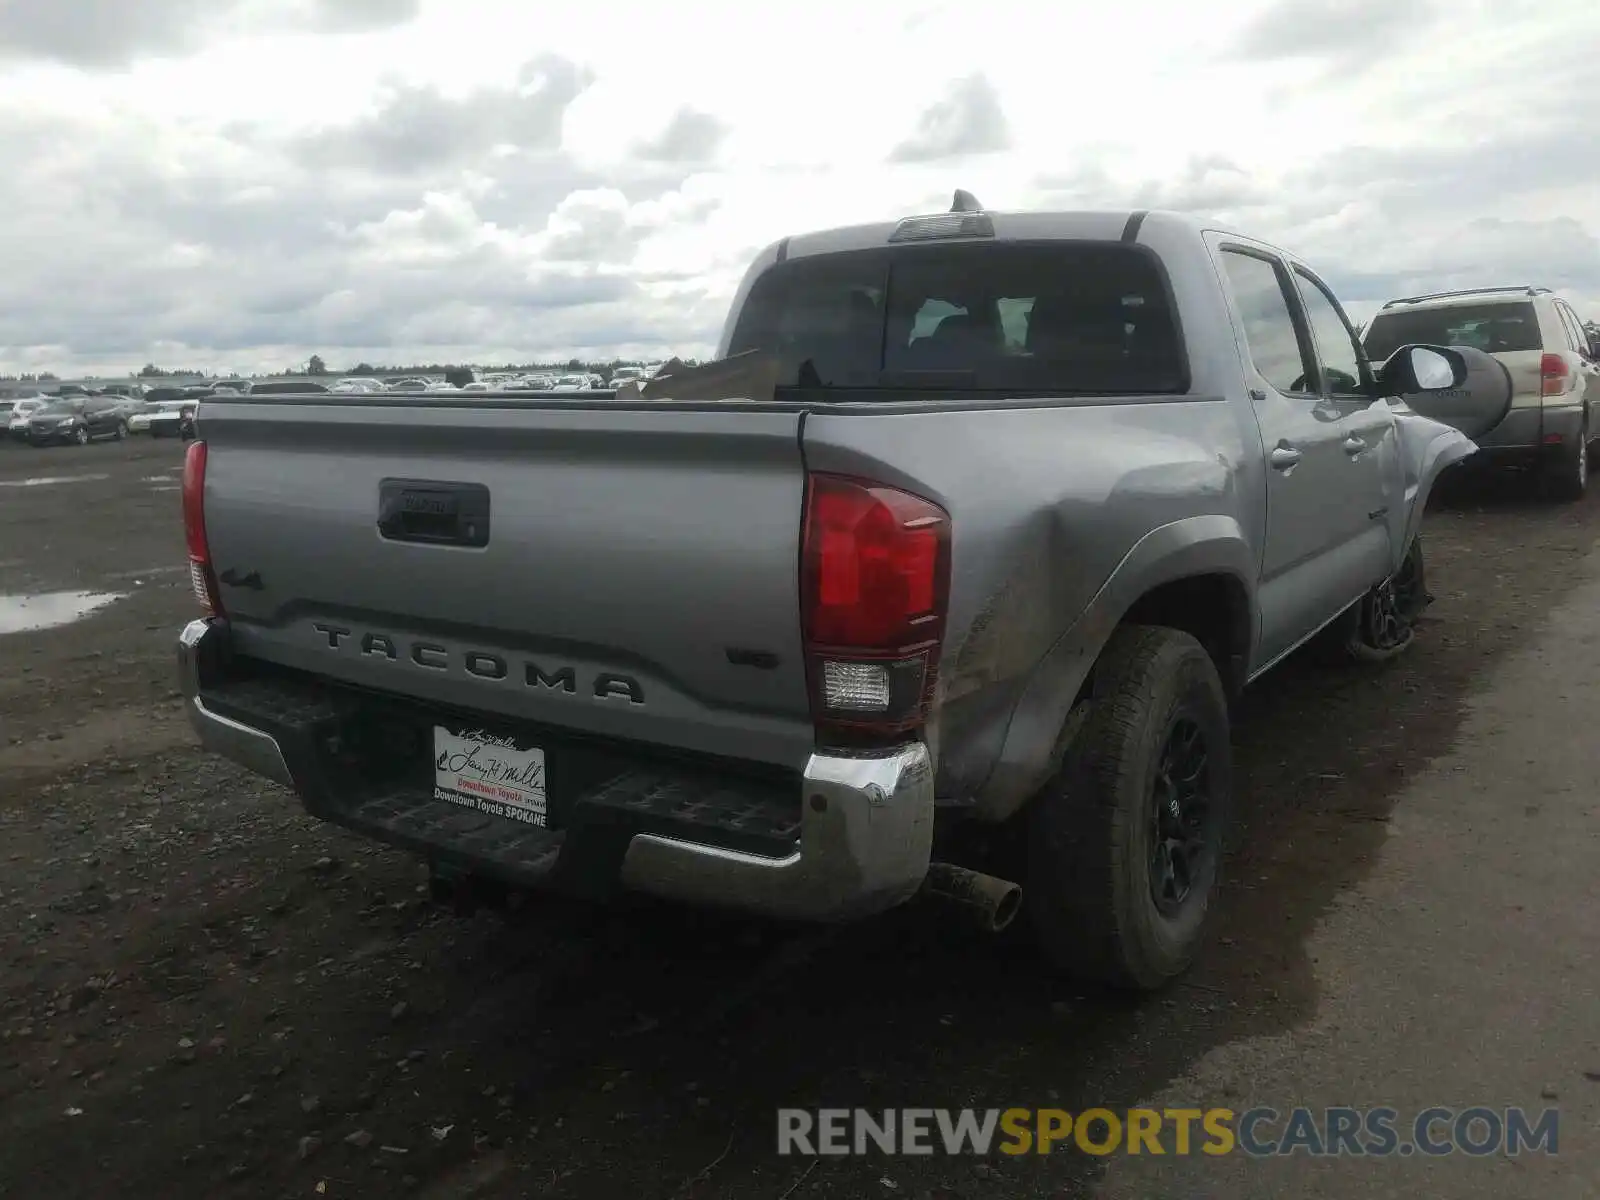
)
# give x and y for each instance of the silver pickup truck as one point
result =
(987, 520)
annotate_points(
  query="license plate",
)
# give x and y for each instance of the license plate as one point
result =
(490, 773)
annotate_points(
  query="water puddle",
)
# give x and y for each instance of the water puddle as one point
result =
(47, 480)
(24, 614)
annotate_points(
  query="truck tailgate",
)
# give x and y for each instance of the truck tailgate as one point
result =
(637, 575)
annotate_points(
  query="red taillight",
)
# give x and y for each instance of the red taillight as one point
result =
(875, 566)
(1554, 375)
(201, 576)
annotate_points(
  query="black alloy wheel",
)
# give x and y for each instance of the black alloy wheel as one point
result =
(1182, 828)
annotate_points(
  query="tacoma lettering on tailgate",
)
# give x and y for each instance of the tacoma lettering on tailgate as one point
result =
(482, 664)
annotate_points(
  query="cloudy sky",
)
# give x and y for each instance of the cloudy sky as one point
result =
(238, 184)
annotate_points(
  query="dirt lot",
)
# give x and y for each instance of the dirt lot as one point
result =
(204, 993)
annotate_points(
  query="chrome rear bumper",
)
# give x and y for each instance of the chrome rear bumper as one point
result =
(866, 827)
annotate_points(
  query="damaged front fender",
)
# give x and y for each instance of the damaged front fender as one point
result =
(1427, 447)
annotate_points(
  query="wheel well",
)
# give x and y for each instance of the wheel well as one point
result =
(1214, 609)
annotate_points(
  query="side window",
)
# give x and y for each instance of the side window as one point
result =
(1575, 337)
(1269, 327)
(1336, 345)
(1014, 314)
(1584, 339)
(930, 316)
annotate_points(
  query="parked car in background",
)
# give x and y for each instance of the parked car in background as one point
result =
(135, 411)
(173, 418)
(573, 383)
(139, 422)
(17, 415)
(357, 385)
(286, 387)
(79, 419)
(409, 384)
(1538, 338)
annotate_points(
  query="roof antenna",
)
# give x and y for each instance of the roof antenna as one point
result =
(965, 202)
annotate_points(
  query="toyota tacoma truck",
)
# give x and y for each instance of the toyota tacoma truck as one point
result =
(939, 579)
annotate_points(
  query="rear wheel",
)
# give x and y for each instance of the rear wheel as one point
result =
(1566, 476)
(1125, 845)
(122, 430)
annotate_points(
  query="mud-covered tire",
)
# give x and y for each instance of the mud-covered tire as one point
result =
(1093, 838)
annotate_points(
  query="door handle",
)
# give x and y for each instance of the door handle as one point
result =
(1283, 457)
(1353, 445)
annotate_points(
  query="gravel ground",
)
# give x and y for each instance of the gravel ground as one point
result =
(205, 993)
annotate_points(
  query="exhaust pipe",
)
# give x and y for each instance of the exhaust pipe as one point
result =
(991, 902)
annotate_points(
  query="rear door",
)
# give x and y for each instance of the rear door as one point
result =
(1320, 544)
(1366, 422)
(1588, 367)
(100, 415)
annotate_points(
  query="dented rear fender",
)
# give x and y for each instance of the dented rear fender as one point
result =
(1029, 751)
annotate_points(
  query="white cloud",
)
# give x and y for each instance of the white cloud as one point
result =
(247, 182)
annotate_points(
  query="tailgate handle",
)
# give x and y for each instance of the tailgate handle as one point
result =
(433, 512)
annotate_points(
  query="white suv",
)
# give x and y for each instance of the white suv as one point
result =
(1555, 376)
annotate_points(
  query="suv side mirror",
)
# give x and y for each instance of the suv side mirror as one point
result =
(1413, 369)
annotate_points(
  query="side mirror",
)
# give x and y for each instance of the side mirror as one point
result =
(1467, 389)
(1412, 369)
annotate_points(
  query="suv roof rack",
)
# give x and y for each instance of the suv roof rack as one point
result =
(1522, 289)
